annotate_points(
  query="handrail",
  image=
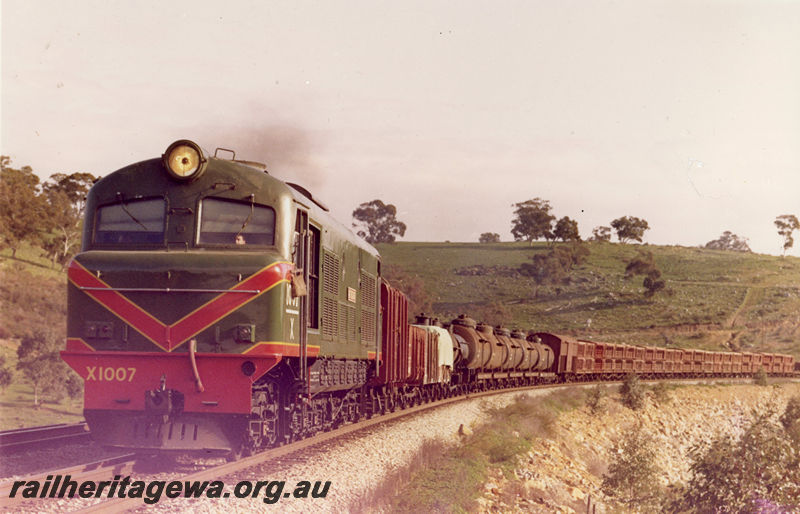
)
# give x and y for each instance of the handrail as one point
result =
(168, 290)
(197, 381)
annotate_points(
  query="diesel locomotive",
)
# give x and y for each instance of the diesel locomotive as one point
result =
(216, 308)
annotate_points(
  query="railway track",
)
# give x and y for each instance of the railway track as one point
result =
(95, 471)
(100, 471)
(25, 438)
(124, 465)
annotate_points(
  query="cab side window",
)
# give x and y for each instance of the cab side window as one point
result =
(313, 278)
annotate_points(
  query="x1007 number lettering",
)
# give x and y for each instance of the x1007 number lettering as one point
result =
(109, 374)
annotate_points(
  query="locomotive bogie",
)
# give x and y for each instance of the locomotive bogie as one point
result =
(337, 374)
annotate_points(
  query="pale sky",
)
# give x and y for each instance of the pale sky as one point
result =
(684, 113)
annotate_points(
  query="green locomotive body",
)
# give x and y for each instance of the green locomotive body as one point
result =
(207, 304)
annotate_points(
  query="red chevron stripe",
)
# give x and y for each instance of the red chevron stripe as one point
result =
(76, 344)
(226, 303)
(139, 319)
(169, 337)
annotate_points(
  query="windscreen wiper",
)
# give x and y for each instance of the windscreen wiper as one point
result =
(125, 208)
(249, 216)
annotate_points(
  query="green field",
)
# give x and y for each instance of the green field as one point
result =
(714, 299)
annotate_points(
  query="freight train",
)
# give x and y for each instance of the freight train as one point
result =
(216, 308)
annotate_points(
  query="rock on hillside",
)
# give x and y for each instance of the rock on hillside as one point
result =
(562, 474)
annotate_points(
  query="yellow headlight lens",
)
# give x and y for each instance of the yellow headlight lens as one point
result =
(184, 159)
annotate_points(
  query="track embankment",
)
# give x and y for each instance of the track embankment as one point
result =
(560, 474)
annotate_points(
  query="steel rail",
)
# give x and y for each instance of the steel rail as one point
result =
(95, 471)
(19, 438)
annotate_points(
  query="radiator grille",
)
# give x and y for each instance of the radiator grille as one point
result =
(368, 309)
(347, 323)
(330, 274)
(367, 291)
(330, 320)
(367, 326)
(352, 333)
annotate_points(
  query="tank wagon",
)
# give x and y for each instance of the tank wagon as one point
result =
(216, 308)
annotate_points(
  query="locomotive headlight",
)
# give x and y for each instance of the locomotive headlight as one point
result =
(184, 160)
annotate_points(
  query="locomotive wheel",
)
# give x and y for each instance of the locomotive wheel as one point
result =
(263, 431)
(243, 450)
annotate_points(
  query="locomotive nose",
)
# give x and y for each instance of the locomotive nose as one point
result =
(143, 301)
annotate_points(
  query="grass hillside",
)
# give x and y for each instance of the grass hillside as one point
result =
(32, 294)
(714, 299)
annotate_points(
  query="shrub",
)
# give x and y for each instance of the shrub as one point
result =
(760, 378)
(632, 475)
(501, 444)
(632, 392)
(594, 397)
(791, 419)
(791, 416)
(39, 363)
(6, 377)
(661, 393)
(759, 472)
